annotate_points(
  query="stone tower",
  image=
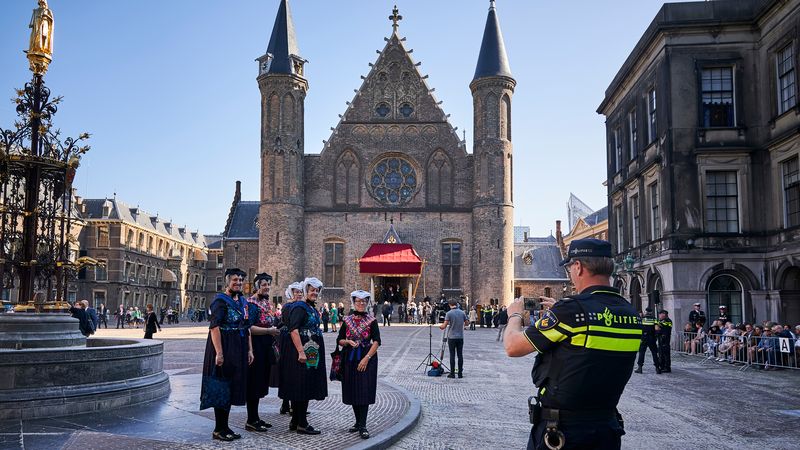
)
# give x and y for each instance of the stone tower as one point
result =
(283, 90)
(493, 210)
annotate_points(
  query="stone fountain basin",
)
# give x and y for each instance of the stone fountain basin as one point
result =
(107, 373)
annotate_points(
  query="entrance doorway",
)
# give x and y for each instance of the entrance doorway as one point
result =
(392, 289)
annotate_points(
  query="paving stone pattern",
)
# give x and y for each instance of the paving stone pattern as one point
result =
(709, 405)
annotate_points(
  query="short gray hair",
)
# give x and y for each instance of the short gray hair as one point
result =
(597, 265)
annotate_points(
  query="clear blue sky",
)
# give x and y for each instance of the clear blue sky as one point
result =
(168, 90)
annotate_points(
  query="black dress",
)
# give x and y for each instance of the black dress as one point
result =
(234, 331)
(297, 381)
(150, 325)
(358, 388)
(263, 355)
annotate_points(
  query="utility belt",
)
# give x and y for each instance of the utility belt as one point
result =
(553, 437)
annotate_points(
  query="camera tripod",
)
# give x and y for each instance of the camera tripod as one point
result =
(430, 358)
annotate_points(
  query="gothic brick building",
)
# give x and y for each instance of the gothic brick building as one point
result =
(393, 171)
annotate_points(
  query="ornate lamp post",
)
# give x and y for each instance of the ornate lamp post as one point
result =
(37, 246)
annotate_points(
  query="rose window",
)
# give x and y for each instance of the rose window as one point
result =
(393, 181)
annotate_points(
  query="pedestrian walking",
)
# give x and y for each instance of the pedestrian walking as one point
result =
(102, 315)
(91, 313)
(586, 348)
(502, 322)
(121, 317)
(335, 316)
(151, 322)
(387, 313)
(473, 317)
(359, 337)
(326, 317)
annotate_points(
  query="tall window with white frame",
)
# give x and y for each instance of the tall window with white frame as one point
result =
(655, 213)
(791, 191)
(634, 209)
(620, 228)
(787, 97)
(333, 275)
(652, 128)
(722, 202)
(717, 97)
(633, 133)
(451, 265)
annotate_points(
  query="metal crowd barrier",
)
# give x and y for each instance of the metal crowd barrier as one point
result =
(765, 352)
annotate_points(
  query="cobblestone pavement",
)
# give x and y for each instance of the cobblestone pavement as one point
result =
(710, 405)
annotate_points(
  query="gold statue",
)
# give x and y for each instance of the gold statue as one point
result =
(40, 50)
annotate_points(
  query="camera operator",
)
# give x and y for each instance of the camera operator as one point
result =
(457, 320)
(586, 346)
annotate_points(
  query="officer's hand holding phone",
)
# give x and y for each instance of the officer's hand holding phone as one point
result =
(546, 302)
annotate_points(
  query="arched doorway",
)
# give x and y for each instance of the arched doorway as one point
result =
(636, 294)
(790, 296)
(725, 290)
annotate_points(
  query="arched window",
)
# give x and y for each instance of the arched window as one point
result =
(439, 179)
(287, 113)
(491, 112)
(636, 294)
(273, 112)
(725, 290)
(346, 182)
(505, 118)
(790, 296)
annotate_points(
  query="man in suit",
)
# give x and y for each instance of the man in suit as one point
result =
(102, 314)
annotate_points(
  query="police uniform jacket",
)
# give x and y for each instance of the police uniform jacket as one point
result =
(587, 345)
(665, 331)
(648, 326)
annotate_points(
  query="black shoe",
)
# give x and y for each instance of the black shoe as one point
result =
(363, 433)
(658, 371)
(285, 410)
(451, 376)
(667, 370)
(460, 375)
(222, 436)
(638, 370)
(307, 430)
(235, 436)
(354, 428)
(292, 426)
(259, 426)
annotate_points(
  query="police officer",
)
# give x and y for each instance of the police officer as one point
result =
(587, 345)
(648, 340)
(663, 336)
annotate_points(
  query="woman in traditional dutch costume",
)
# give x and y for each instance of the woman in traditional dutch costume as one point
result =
(228, 348)
(263, 330)
(359, 337)
(303, 375)
(293, 293)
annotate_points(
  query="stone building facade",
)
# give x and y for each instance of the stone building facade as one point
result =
(393, 159)
(145, 259)
(703, 152)
(536, 269)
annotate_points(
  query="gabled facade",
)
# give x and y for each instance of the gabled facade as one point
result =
(703, 152)
(392, 157)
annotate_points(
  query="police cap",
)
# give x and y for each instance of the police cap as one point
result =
(587, 247)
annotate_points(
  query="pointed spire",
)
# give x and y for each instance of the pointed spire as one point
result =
(493, 60)
(283, 44)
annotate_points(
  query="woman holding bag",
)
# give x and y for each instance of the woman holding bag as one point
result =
(303, 375)
(229, 352)
(359, 337)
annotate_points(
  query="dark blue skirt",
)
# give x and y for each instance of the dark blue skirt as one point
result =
(358, 388)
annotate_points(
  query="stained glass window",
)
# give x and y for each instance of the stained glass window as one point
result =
(393, 181)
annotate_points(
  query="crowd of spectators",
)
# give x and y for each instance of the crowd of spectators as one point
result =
(755, 345)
